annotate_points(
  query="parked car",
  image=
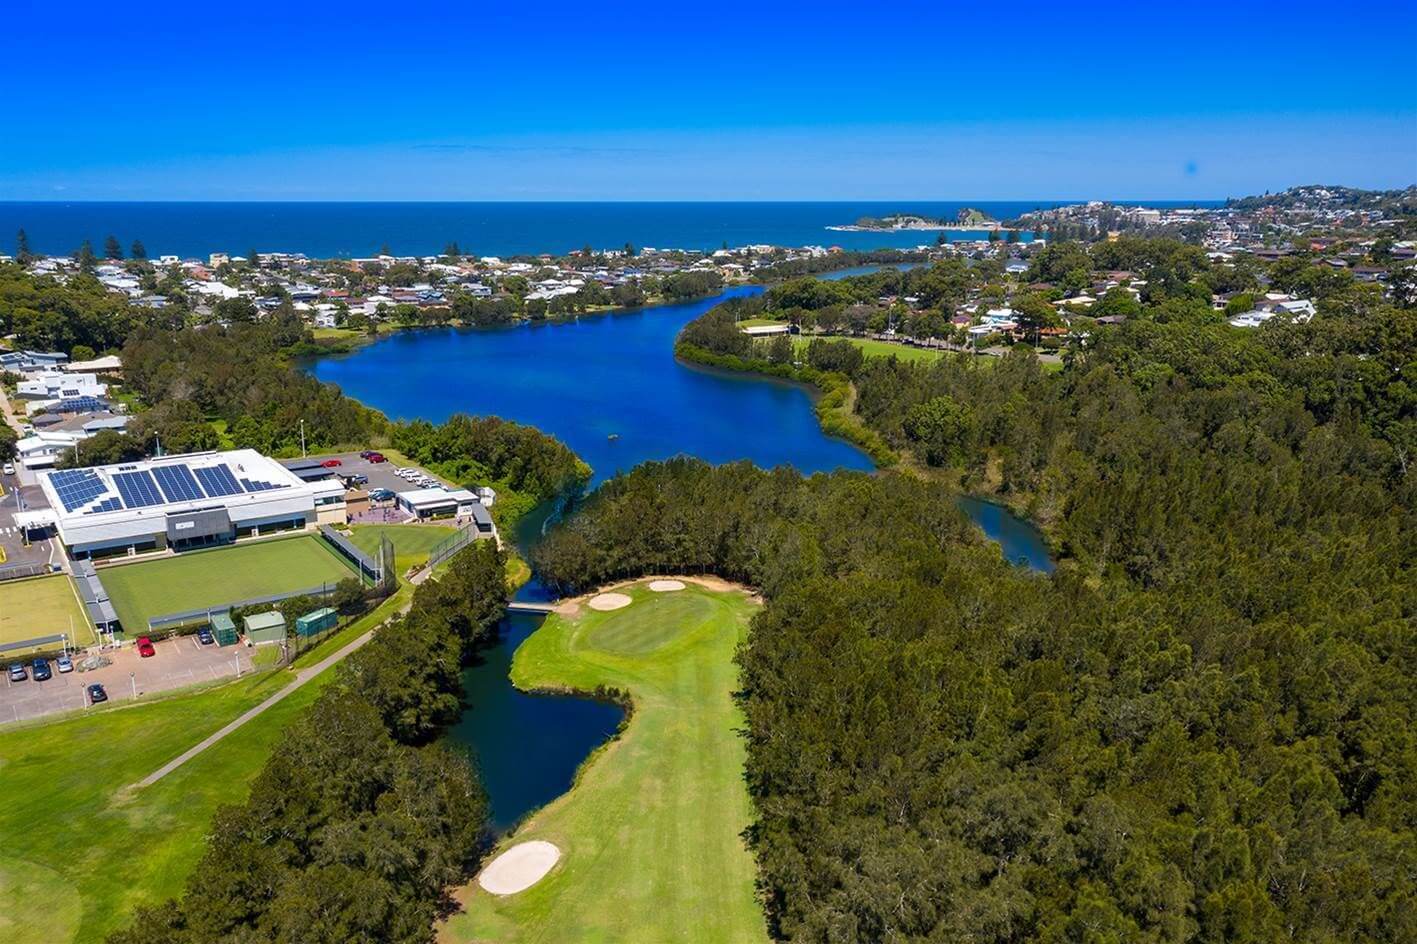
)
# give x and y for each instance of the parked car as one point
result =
(145, 647)
(367, 453)
(331, 463)
(356, 479)
(97, 694)
(381, 494)
(41, 670)
(376, 457)
(9, 469)
(18, 673)
(205, 637)
(64, 664)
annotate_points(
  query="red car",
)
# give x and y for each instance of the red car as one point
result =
(376, 457)
(331, 463)
(145, 647)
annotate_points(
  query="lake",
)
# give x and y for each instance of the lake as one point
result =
(586, 381)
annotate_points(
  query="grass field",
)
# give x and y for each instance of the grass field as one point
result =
(42, 606)
(76, 859)
(210, 578)
(76, 856)
(650, 834)
(412, 542)
(873, 348)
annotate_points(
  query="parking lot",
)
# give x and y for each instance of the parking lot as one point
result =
(380, 474)
(21, 497)
(179, 662)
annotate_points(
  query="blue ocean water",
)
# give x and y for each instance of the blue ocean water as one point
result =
(500, 229)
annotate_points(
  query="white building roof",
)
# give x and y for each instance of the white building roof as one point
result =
(131, 501)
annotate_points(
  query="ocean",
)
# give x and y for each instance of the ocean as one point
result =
(322, 230)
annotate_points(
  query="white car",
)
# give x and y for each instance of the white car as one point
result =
(9, 469)
(64, 664)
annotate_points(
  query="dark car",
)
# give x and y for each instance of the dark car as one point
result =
(205, 637)
(96, 694)
(41, 670)
(145, 648)
(376, 457)
(381, 494)
(18, 672)
(356, 479)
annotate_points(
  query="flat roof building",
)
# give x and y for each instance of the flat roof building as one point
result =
(183, 501)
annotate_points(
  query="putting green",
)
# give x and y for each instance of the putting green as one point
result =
(636, 630)
(651, 834)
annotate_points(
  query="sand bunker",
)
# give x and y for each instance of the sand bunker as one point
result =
(519, 868)
(609, 601)
(666, 586)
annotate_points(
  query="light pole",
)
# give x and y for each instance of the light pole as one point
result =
(302, 439)
(133, 679)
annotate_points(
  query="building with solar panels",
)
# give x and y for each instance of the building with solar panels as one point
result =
(182, 502)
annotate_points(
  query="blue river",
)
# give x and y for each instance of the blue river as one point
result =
(609, 387)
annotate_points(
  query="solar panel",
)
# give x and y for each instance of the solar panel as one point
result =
(138, 489)
(108, 504)
(76, 487)
(253, 485)
(218, 480)
(177, 483)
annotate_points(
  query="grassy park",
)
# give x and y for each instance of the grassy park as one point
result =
(873, 348)
(78, 856)
(223, 575)
(650, 834)
(42, 606)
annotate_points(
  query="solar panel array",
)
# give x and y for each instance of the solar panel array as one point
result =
(178, 483)
(138, 489)
(77, 487)
(141, 488)
(79, 405)
(218, 480)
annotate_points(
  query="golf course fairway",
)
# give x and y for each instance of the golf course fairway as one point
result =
(650, 835)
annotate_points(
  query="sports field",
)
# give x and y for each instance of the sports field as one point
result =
(650, 835)
(412, 542)
(224, 575)
(42, 606)
(873, 348)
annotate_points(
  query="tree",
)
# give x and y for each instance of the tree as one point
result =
(22, 248)
(384, 250)
(942, 427)
(111, 248)
(452, 251)
(630, 249)
(253, 259)
(138, 250)
(85, 257)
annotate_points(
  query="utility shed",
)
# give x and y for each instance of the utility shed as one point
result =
(316, 622)
(265, 627)
(223, 629)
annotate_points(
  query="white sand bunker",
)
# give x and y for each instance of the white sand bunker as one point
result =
(609, 601)
(666, 586)
(519, 868)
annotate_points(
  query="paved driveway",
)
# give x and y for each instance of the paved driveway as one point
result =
(179, 662)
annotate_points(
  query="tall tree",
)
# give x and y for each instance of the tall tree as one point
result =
(138, 250)
(111, 248)
(85, 256)
(22, 247)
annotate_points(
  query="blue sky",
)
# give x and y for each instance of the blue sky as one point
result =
(655, 101)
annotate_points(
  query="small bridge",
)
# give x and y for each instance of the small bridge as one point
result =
(524, 606)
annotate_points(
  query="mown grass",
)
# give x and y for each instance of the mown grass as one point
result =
(412, 542)
(651, 833)
(211, 578)
(79, 854)
(42, 606)
(873, 348)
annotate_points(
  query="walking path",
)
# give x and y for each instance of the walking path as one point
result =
(301, 677)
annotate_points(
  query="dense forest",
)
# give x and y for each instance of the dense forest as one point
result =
(359, 821)
(1200, 728)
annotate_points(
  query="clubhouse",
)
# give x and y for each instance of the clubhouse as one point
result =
(180, 502)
